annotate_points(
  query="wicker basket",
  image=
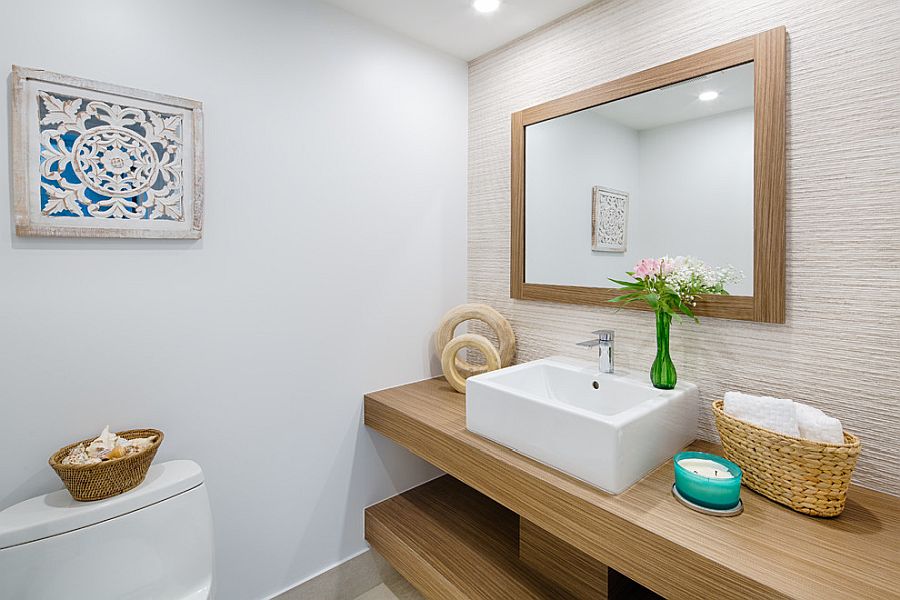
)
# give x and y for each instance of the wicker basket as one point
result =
(809, 477)
(108, 478)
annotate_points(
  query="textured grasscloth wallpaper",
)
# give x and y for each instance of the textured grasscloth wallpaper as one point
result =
(840, 347)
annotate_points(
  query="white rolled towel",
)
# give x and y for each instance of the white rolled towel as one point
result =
(774, 414)
(817, 426)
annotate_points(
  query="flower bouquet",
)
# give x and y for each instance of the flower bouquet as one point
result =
(671, 286)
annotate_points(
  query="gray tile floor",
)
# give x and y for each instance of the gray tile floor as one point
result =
(398, 590)
(366, 577)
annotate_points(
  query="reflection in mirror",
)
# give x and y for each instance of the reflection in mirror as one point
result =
(669, 171)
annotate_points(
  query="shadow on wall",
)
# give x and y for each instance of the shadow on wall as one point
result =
(372, 457)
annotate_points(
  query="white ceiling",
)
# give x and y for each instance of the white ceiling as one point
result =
(677, 103)
(454, 26)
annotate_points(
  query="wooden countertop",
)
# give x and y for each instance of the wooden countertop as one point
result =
(767, 552)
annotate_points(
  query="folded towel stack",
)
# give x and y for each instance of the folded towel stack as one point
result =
(817, 426)
(785, 417)
(774, 414)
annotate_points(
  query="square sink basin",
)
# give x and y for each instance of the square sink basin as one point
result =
(606, 429)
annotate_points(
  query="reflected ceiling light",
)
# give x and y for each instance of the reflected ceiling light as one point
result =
(708, 95)
(486, 6)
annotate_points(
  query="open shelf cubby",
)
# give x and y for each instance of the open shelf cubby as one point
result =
(453, 542)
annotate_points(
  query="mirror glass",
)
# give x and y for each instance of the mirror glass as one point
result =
(665, 172)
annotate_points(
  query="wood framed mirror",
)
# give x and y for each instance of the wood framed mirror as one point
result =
(724, 193)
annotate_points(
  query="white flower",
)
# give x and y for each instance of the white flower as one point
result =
(688, 276)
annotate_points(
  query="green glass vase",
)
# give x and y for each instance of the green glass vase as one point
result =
(662, 373)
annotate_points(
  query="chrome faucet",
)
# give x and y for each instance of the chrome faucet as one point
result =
(606, 340)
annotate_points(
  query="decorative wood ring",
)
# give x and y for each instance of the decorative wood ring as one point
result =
(488, 316)
(467, 340)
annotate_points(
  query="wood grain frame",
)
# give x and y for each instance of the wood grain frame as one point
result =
(767, 52)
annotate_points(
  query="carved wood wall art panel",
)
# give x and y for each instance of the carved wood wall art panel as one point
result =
(98, 160)
(609, 220)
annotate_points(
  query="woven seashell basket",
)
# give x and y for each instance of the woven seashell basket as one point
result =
(809, 477)
(110, 478)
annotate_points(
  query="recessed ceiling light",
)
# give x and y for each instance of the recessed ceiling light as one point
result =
(486, 6)
(708, 95)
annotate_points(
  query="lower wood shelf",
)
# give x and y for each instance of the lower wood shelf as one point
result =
(452, 542)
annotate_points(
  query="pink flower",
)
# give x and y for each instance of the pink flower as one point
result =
(648, 267)
(668, 265)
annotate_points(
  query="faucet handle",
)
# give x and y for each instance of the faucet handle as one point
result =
(605, 335)
(605, 340)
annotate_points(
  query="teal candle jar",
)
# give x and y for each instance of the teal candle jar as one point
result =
(708, 480)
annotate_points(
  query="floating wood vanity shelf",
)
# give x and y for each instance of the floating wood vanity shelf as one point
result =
(451, 543)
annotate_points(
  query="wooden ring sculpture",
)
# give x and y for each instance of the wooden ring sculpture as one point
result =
(467, 340)
(487, 315)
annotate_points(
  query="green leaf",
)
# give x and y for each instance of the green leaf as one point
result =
(686, 310)
(627, 297)
(634, 285)
(629, 301)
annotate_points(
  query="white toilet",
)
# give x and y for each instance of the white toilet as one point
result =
(154, 541)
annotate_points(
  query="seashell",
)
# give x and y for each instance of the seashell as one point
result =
(107, 446)
(117, 452)
(139, 444)
(105, 442)
(79, 456)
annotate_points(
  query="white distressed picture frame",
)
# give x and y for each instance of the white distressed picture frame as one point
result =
(164, 216)
(609, 220)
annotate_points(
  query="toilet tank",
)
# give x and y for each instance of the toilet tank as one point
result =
(154, 541)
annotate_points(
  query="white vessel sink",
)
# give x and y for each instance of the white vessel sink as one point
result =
(609, 430)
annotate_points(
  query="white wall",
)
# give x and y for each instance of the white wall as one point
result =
(690, 187)
(565, 159)
(696, 197)
(334, 240)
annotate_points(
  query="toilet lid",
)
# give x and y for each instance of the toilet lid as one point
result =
(57, 512)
